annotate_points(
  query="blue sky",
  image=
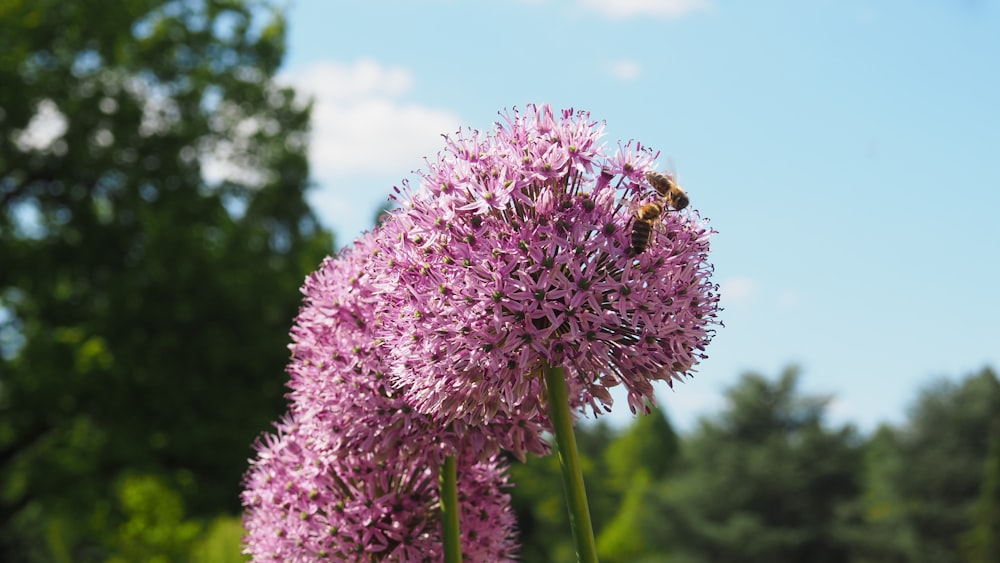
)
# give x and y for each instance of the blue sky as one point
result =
(848, 153)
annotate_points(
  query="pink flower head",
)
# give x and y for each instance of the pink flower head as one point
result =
(515, 254)
(352, 473)
(306, 501)
(339, 371)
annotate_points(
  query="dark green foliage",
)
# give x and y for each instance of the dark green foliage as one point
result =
(941, 462)
(649, 446)
(981, 544)
(540, 503)
(642, 456)
(145, 304)
(617, 469)
(880, 533)
(764, 482)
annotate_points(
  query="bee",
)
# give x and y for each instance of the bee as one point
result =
(669, 191)
(642, 226)
(671, 196)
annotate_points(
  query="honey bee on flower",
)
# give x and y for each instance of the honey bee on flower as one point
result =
(671, 196)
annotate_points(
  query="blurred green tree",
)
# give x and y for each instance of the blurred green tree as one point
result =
(880, 533)
(540, 506)
(630, 536)
(154, 529)
(153, 236)
(540, 503)
(942, 455)
(643, 455)
(648, 446)
(764, 481)
(981, 544)
(930, 488)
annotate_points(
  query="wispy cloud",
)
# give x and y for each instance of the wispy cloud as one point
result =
(624, 69)
(657, 8)
(366, 135)
(742, 290)
(361, 120)
(737, 291)
(789, 298)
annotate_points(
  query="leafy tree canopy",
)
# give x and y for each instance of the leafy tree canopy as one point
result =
(153, 236)
(762, 482)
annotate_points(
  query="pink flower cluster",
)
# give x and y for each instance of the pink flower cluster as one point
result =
(429, 336)
(352, 472)
(305, 503)
(515, 255)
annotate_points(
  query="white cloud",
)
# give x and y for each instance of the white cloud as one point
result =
(333, 81)
(658, 8)
(789, 298)
(625, 69)
(374, 134)
(361, 122)
(737, 291)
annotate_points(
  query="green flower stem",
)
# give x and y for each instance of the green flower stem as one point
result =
(449, 512)
(569, 461)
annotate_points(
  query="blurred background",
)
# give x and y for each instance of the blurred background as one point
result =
(171, 170)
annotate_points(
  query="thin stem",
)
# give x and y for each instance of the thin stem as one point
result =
(569, 461)
(449, 511)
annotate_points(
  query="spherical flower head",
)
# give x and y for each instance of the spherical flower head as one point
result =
(515, 255)
(305, 500)
(352, 472)
(338, 372)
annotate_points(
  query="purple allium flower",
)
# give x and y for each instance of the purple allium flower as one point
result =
(306, 501)
(515, 254)
(339, 373)
(352, 473)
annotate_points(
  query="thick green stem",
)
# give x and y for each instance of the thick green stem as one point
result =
(449, 512)
(569, 461)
